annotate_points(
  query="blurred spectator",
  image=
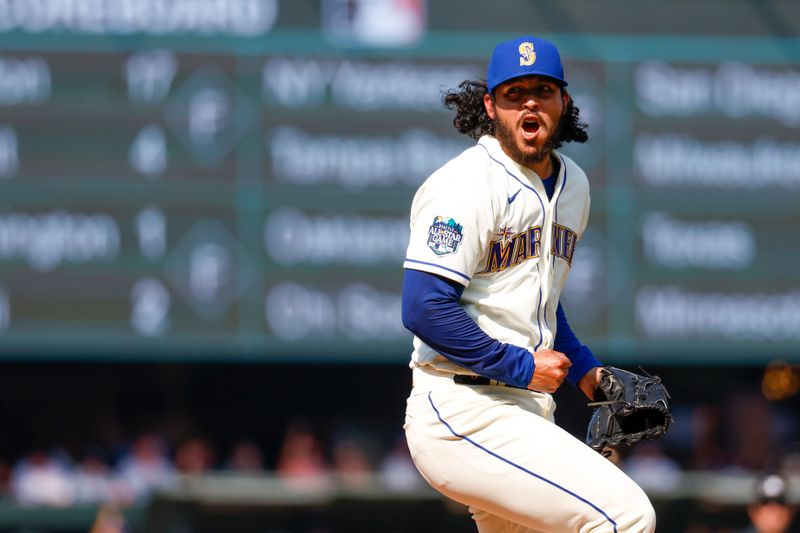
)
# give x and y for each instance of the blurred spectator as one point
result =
(707, 450)
(770, 511)
(351, 463)
(397, 471)
(94, 482)
(754, 442)
(194, 456)
(651, 469)
(246, 456)
(301, 462)
(43, 479)
(146, 467)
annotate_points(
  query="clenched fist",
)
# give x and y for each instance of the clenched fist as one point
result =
(551, 369)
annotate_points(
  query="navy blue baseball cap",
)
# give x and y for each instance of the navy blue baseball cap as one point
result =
(524, 56)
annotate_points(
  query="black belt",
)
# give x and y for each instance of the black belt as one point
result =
(463, 379)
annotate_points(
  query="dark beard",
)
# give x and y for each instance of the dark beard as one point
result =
(509, 144)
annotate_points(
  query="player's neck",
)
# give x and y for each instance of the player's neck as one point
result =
(544, 168)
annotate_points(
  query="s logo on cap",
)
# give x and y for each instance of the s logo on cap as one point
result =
(527, 56)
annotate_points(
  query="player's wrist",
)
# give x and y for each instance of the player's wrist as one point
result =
(588, 383)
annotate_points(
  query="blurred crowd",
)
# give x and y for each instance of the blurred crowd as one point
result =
(746, 434)
(150, 463)
(354, 457)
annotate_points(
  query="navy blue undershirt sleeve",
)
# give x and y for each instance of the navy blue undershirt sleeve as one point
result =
(567, 343)
(431, 312)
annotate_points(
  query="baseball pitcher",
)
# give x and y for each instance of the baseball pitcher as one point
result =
(493, 233)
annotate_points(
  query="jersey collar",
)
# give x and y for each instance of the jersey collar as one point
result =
(521, 172)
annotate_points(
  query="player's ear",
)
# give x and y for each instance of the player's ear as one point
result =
(488, 103)
(565, 99)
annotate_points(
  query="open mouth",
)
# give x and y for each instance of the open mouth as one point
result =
(530, 125)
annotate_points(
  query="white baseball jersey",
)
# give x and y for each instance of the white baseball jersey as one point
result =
(486, 222)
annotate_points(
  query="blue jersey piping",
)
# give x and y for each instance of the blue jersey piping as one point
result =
(564, 184)
(555, 220)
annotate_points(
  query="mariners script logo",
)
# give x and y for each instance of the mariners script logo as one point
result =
(444, 236)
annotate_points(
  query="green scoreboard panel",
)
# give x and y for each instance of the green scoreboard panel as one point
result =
(231, 188)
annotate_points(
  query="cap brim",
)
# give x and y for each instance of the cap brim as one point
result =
(559, 81)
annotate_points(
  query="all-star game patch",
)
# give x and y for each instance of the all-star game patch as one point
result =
(444, 236)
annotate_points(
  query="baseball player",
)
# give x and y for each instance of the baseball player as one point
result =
(493, 234)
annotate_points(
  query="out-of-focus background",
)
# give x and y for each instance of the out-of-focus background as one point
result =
(203, 216)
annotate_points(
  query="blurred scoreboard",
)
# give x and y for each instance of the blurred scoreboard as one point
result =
(196, 196)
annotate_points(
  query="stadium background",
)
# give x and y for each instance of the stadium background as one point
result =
(203, 214)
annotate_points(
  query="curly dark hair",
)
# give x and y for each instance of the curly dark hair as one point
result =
(472, 119)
